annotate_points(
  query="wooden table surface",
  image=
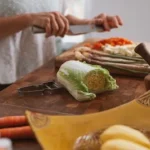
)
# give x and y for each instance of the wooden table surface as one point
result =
(62, 102)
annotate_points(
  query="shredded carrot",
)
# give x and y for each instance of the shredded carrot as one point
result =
(17, 133)
(90, 45)
(13, 121)
(112, 41)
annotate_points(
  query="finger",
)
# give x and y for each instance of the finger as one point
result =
(98, 21)
(119, 20)
(106, 24)
(61, 24)
(48, 28)
(66, 22)
(104, 21)
(54, 25)
(100, 16)
(113, 22)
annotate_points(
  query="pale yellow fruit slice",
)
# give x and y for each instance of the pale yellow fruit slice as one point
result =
(119, 144)
(126, 133)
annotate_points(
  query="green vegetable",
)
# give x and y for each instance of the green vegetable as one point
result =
(84, 81)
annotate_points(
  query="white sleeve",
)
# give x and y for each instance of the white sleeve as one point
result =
(68, 6)
(74, 7)
(65, 7)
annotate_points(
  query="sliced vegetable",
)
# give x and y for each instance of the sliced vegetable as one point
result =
(83, 81)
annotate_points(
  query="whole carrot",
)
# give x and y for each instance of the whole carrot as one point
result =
(13, 121)
(24, 132)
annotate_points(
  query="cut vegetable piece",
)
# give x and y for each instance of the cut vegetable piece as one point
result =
(95, 80)
(83, 81)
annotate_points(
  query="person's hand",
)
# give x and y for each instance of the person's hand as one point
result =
(53, 22)
(108, 22)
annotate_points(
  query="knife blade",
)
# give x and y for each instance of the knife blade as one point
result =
(50, 86)
(74, 29)
(78, 29)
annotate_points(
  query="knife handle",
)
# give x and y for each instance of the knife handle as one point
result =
(100, 28)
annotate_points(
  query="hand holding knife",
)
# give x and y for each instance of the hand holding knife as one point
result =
(74, 29)
(56, 24)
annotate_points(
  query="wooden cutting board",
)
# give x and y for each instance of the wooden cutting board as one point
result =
(69, 55)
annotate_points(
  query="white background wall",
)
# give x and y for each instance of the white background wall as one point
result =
(135, 14)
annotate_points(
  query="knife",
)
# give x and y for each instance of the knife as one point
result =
(74, 29)
(49, 86)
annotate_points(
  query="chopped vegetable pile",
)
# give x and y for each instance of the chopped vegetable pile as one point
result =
(116, 46)
(84, 81)
(111, 41)
(125, 50)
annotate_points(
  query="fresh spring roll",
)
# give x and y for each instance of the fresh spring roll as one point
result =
(84, 81)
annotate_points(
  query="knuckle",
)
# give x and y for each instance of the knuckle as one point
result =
(63, 25)
(52, 16)
(56, 13)
(113, 18)
(47, 20)
(67, 28)
(61, 31)
(56, 28)
(103, 15)
(66, 21)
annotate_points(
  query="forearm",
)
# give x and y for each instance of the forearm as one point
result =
(11, 25)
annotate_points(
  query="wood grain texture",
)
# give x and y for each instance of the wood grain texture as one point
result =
(61, 102)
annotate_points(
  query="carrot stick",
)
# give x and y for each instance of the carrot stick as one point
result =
(13, 121)
(17, 133)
